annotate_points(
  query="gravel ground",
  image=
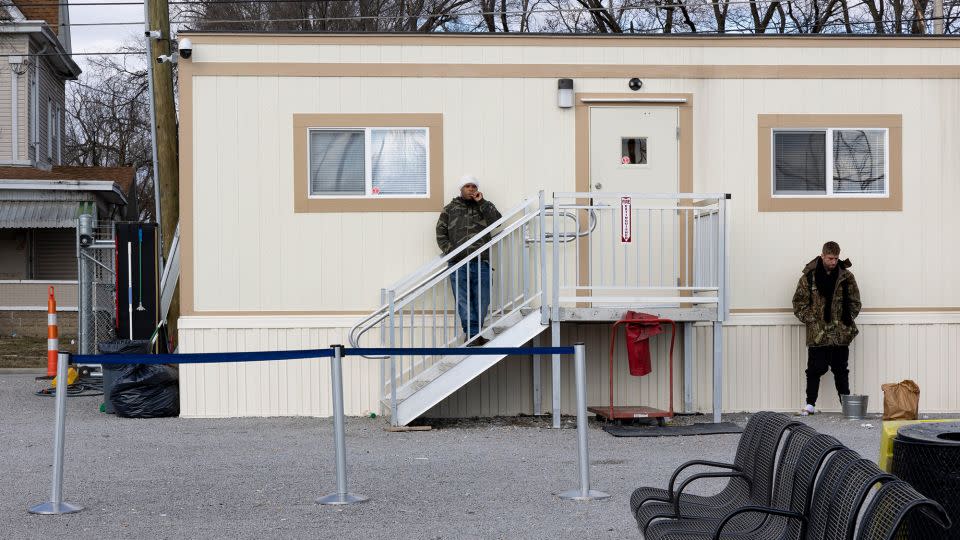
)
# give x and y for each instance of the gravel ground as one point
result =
(258, 477)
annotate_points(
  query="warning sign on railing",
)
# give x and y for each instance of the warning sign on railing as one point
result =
(625, 226)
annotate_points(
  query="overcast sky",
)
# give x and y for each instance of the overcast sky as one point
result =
(104, 38)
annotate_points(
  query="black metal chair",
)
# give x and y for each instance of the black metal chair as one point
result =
(861, 476)
(830, 481)
(897, 506)
(735, 488)
(756, 476)
(794, 447)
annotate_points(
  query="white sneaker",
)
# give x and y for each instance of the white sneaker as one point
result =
(808, 410)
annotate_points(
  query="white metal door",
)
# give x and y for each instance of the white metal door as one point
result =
(633, 250)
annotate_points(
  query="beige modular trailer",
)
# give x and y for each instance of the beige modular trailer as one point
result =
(267, 265)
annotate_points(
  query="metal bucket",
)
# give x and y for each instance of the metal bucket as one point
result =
(854, 407)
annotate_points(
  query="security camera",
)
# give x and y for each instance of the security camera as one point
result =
(185, 47)
(152, 34)
(167, 58)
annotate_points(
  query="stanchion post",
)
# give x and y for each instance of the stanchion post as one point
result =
(56, 504)
(583, 493)
(341, 496)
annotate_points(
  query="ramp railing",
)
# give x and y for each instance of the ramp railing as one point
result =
(646, 249)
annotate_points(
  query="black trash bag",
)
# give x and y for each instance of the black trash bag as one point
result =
(139, 390)
(146, 391)
(112, 371)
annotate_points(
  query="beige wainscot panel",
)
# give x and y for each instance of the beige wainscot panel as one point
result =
(764, 364)
(273, 388)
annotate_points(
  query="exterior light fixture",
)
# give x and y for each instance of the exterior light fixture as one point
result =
(564, 93)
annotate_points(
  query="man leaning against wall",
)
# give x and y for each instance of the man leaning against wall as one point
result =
(827, 300)
(465, 216)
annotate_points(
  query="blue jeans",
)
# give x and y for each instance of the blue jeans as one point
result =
(471, 290)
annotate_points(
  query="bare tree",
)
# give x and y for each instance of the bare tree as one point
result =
(108, 123)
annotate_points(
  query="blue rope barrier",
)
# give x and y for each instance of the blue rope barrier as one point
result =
(199, 358)
(260, 356)
(458, 351)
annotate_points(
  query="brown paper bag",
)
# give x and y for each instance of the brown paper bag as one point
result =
(901, 401)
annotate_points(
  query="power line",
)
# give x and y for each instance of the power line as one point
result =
(9, 55)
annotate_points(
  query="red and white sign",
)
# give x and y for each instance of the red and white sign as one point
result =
(626, 227)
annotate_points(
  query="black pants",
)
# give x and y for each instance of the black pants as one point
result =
(819, 360)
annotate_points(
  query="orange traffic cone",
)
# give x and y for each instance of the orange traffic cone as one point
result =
(53, 341)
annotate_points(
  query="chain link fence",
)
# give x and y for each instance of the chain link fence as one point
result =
(97, 282)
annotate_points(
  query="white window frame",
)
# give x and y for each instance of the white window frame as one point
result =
(828, 163)
(59, 135)
(368, 162)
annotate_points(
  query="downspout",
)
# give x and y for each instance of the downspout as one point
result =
(35, 135)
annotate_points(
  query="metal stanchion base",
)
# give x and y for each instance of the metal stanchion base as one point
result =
(577, 495)
(336, 498)
(49, 508)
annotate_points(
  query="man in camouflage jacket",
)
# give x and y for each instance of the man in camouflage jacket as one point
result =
(461, 220)
(827, 301)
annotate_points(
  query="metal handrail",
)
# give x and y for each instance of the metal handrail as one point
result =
(568, 237)
(431, 280)
(426, 272)
(428, 267)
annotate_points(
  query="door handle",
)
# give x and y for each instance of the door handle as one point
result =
(598, 185)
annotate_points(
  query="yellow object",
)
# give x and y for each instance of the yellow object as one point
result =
(889, 432)
(72, 376)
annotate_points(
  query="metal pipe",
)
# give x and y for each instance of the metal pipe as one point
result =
(341, 496)
(56, 504)
(153, 132)
(717, 370)
(583, 493)
(688, 330)
(537, 392)
(544, 304)
(555, 320)
(391, 296)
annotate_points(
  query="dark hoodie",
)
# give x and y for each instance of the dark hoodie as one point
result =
(460, 222)
(827, 304)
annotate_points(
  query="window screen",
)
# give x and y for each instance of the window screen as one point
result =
(859, 161)
(337, 162)
(399, 161)
(799, 162)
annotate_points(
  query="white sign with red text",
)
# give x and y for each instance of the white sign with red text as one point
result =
(626, 227)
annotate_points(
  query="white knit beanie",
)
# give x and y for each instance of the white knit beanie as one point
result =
(468, 179)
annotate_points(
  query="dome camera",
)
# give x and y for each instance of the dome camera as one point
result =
(185, 47)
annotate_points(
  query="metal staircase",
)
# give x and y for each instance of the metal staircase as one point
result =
(550, 262)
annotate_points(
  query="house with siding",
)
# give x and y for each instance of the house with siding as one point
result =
(40, 197)
(688, 177)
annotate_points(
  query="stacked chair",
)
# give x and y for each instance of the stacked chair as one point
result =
(786, 482)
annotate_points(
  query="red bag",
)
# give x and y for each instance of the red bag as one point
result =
(638, 341)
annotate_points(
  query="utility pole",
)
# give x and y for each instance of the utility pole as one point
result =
(166, 140)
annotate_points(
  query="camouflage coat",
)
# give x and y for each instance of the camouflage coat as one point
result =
(460, 221)
(808, 306)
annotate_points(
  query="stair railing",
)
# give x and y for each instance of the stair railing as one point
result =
(421, 310)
